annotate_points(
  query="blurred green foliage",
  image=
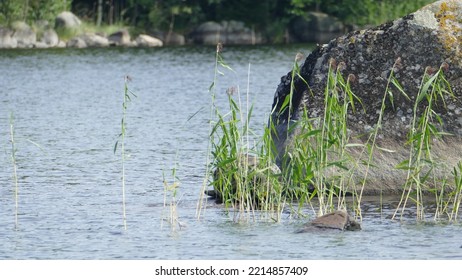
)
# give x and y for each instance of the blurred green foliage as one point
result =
(266, 16)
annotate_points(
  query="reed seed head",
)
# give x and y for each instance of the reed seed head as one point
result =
(231, 90)
(298, 57)
(398, 64)
(444, 66)
(351, 78)
(332, 63)
(219, 47)
(430, 70)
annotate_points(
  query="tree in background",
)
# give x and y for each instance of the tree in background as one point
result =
(269, 17)
(31, 11)
(359, 12)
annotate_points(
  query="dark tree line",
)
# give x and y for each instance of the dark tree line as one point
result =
(181, 15)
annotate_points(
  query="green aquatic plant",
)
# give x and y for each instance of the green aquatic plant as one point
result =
(323, 160)
(456, 195)
(370, 145)
(171, 201)
(13, 140)
(425, 127)
(316, 161)
(243, 175)
(15, 168)
(127, 96)
(171, 188)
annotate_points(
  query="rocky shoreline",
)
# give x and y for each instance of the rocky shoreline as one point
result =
(317, 28)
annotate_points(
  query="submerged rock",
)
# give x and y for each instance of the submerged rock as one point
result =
(422, 41)
(339, 220)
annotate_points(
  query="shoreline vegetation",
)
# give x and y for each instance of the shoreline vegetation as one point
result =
(318, 171)
(97, 23)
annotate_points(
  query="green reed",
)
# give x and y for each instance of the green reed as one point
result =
(171, 188)
(170, 200)
(127, 96)
(425, 127)
(370, 144)
(322, 159)
(317, 160)
(240, 172)
(456, 195)
(15, 168)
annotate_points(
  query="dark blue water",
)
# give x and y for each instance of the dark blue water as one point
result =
(67, 107)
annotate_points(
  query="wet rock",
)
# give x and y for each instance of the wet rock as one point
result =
(144, 40)
(67, 20)
(120, 38)
(315, 28)
(339, 220)
(7, 40)
(423, 41)
(227, 32)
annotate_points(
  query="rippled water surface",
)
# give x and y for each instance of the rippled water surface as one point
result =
(67, 112)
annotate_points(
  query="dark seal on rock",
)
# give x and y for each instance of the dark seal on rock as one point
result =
(339, 220)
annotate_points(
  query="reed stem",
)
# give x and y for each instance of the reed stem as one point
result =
(15, 174)
(126, 100)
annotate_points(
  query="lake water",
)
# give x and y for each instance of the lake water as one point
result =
(67, 107)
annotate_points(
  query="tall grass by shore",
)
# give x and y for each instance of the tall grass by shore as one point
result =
(425, 127)
(319, 168)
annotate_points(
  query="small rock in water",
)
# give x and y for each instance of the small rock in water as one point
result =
(336, 220)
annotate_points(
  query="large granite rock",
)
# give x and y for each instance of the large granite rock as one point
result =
(7, 40)
(425, 40)
(95, 40)
(226, 32)
(144, 40)
(25, 36)
(120, 38)
(50, 38)
(67, 20)
(76, 42)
